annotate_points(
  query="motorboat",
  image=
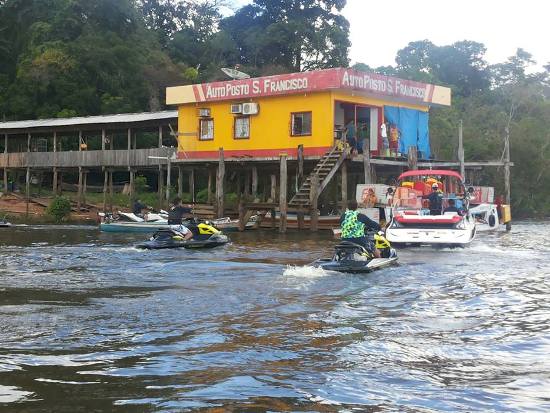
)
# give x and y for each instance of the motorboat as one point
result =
(129, 222)
(486, 217)
(4, 223)
(354, 258)
(205, 235)
(413, 223)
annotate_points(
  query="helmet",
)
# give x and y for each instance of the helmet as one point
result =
(435, 186)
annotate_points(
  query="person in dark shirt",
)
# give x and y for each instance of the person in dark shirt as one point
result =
(452, 207)
(435, 198)
(138, 207)
(178, 213)
(353, 226)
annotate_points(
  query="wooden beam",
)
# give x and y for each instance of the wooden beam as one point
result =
(180, 181)
(131, 191)
(79, 193)
(28, 142)
(84, 187)
(159, 186)
(6, 189)
(344, 174)
(129, 145)
(111, 191)
(367, 161)
(105, 188)
(103, 138)
(27, 190)
(192, 184)
(273, 188)
(461, 149)
(160, 136)
(313, 200)
(412, 158)
(282, 194)
(254, 182)
(220, 179)
(210, 181)
(300, 171)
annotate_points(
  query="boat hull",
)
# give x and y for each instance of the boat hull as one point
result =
(431, 236)
(352, 266)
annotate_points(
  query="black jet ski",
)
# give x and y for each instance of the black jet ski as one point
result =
(351, 257)
(204, 236)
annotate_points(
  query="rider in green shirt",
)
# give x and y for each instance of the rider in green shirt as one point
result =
(353, 227)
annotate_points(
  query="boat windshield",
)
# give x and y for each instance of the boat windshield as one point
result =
(412, 193)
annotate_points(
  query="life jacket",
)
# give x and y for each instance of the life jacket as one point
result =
(351, 227)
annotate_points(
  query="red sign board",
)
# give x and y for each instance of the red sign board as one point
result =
(347, 79)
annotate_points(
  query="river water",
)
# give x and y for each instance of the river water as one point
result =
(89, 323)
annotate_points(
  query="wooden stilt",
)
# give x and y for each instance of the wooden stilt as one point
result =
(254, 182)
(160, 186)
(220, 185)
(246, 190)
(300, 170)
(282, 194)
(111, 192)
(6, 189)
(273, 188)
(313, 199)
(79, 193)
(55, 189)
(27, 191)
(60, 184)
(180, 181)
(366, 161)
(344, 172)
(131, 191)
(412, 157)
(461, 150)
(105, 188)
(192, 184)
(242, 213)
(210, 180)
(507, 172)
(300, 218)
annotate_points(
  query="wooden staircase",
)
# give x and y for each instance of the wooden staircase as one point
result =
(325, 169)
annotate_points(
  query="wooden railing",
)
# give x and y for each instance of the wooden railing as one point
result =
(89, 159)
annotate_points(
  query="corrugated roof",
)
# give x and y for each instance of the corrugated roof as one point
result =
(89, 120)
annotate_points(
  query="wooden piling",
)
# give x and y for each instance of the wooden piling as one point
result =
(6, 189)
(507, 171)
(300, 218)
(344, 172)
(55, 188)
(84, 187)
(27, 190)
(111, 191)
(366, 161)
(282, 194)
(220, 176)
(105, 188)
(210, 180)
(79, 193)
(160, 185)
(254, 183)
(192, 184)
(242, 213)
(273, 188)
(412, 158)
(461, 150)
(313, 199)
(131, 189)
(300, 169)
(180, 181)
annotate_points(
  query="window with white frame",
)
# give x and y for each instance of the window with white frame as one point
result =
(242, 127)
(206, 129)
(300, 124)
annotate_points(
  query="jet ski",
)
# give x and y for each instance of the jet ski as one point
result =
(354, 258)
(204, 236)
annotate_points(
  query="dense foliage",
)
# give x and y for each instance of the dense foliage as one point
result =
(59, 209)
(78, 57)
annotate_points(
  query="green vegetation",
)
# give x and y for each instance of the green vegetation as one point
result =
(79, 57)
(59, 209)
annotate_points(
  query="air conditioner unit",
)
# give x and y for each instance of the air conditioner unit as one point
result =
(204, 112)
(236, 108)
(250, 108)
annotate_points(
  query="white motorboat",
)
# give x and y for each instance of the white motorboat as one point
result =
(486, 216)
(412, 221)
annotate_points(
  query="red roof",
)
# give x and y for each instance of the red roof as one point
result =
(430, 172)
(428, 219)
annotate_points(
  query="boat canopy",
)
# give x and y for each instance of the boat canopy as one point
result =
(427, 172)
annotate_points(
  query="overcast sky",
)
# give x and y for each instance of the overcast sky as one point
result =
(379, 29)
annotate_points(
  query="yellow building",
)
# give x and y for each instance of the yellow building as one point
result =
(268, 116)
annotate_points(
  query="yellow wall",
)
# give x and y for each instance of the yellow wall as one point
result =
(269, 129)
